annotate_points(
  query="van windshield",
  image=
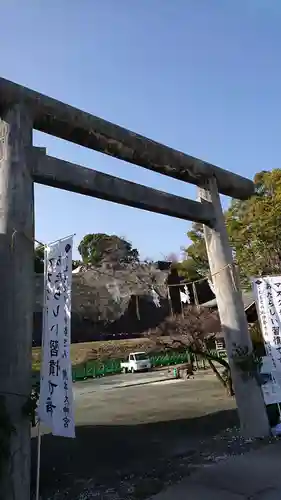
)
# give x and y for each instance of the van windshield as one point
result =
(141, 356)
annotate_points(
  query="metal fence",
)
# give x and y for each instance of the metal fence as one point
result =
(95, 369)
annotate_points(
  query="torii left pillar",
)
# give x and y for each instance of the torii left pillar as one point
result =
(16, 294)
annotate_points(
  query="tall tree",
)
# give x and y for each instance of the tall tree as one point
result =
(197, 250)
(188, 269)
(196, 263)
(254, 230)
(98, 248)
(254, 227)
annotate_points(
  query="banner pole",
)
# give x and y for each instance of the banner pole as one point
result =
(38, 461)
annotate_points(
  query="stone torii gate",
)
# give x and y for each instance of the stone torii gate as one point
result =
(21, 165)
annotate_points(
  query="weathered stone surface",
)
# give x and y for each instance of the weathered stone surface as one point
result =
(65, 175)
(72, 124)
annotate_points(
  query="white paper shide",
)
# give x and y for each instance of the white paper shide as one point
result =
(267, 292)
(56, 397)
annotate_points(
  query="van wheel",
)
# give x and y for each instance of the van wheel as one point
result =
(132, 370)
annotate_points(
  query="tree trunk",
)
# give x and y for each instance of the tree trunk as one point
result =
(230, 389)
(226, 382)
(218, 375)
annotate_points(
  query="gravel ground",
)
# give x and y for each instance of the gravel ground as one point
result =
(132, 443)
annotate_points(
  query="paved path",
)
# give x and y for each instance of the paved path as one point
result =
(254, 476)
(141, 437)
(92, 396)
(118, 381)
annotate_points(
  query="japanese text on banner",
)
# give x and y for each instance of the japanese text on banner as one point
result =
(268, 299)
(56, 397)
(270, 388)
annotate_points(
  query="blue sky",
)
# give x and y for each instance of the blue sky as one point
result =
(202, 76)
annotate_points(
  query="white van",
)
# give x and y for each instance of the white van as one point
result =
(137, 361)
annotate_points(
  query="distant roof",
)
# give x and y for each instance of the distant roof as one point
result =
(248, 299)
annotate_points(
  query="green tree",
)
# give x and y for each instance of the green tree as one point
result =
(254, 227)
(254, 231)
(188, 269)
(39, 259)
(196, 263)
(97, 248)
(197, 250)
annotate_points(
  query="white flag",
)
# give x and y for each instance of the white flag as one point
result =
(184, 298)
(187, 295)
(155, 297)
(56, 397)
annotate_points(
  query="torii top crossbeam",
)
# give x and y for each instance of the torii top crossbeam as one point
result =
(72, 124)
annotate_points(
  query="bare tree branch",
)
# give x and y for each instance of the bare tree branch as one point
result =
(193, 330)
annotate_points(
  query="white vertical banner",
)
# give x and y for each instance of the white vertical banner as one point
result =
(267, 292)
(56, 398)
(270, 388)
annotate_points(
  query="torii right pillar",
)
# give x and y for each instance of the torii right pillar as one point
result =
(251, 407)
